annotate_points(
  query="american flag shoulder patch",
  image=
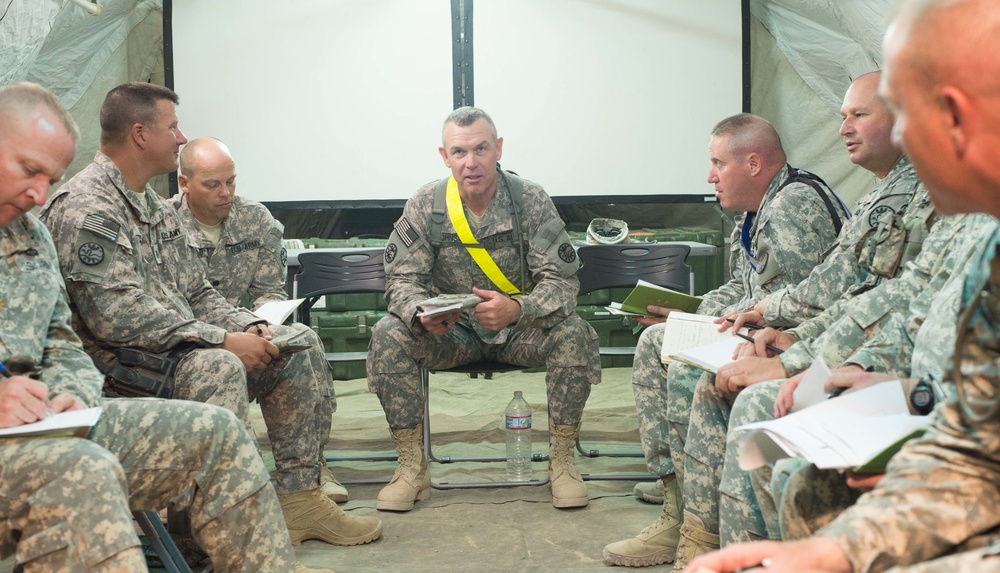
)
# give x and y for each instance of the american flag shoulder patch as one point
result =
(101, 226)
(406, 232)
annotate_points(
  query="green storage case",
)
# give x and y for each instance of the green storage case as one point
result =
(612, 330)
(348, 331)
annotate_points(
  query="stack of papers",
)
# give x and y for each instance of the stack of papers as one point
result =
(695, 339)
(278, 311)
(646, 293)
(65, 424)
(860, 430)
(446, 303)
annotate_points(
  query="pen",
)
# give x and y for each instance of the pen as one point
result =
(4, 372)
(749, 325)
(773, 349)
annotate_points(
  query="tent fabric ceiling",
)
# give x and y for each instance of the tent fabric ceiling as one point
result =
(804, 55)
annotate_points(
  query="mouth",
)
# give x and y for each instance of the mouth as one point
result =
(852, 145)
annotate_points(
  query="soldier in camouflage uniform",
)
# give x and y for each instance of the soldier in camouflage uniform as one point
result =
(135, 283)
(771, 250)
(937, 501)
(522, 233)
(65, 502)
(239, 242)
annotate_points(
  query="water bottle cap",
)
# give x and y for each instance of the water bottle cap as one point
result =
(517, 393)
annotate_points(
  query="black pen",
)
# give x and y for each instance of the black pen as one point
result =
(773, 349)
(749, 325)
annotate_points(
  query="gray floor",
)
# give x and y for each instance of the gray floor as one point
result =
(492, 529)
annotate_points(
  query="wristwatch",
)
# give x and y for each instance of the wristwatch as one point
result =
(922, 397)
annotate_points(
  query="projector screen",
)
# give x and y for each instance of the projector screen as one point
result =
(341, 101)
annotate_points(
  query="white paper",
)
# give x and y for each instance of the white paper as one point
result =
(712, 356)
(277, 311)
(684, 331)
(71, 420)
(831, 433)
(810, 389)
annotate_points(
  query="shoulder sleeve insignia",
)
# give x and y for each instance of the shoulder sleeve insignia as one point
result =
(390, 252)
(91, 254)
(406, 232)
(567, 253)
(101, 226)
(283, 256)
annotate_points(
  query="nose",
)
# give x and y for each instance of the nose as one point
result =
(846, 128)
(713, 177)
(39, 190)
(181, 140)
(470, 160)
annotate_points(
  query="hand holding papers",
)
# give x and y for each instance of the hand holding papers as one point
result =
(64, 424)
(695, 339)
(446, 303)
(292, 342)
(860, 430)
(646, 293)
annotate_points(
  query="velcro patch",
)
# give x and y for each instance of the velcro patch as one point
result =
(406, 232)
(91, 254)
(101, 226)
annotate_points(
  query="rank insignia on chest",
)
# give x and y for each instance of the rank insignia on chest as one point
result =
(91, 254)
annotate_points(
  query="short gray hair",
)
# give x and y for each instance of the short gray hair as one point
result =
(468, 115)
(26, 97)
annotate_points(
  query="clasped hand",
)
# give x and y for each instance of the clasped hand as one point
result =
(254, 350)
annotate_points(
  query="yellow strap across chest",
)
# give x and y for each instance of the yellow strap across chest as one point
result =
(482, 257)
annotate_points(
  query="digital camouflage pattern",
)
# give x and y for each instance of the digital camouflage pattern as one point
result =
(134, 280)
(65, 503)
(250, 262)
(794, 499)
(921, 514)
(786, 249)
(846, 324)
(548, 333)
(870, 247)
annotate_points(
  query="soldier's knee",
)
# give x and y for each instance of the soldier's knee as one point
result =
(96, 468)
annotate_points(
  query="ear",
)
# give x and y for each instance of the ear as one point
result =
(753, 164)
(138, 135)
(499, 148)
(444, 156)
(182, 182)
(960, 118)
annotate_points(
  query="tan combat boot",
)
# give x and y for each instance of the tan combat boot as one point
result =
(649, 491)
(657, 543)
(568, 489)
(412, 481)
(311, 515)
(300, 568)
(695, 541)
(330, 487)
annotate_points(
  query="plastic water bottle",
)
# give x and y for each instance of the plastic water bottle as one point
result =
(518, 428)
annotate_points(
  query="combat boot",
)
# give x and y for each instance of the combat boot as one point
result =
(311, 515)
(649, 491)
(412, 481)
(330, 487)
(657, 543)
(568, 489)
(300, 568)
(695, 541)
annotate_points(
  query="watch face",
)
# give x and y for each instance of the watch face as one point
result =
(921, 398)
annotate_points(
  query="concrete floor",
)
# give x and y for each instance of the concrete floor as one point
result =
(491, 529)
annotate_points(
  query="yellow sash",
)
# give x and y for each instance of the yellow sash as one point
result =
(478, 254)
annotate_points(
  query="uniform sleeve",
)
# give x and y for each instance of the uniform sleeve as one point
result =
(109, 291)
(409, 260)
(715, 301)
(268, 283)
(553, 265)
(65, 367)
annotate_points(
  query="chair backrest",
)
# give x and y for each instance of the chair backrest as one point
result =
(614, 266)
(337, 272)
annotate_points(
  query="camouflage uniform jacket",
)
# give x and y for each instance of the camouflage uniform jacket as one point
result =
(133, 277)
(37, 338)
(846, 269)
(416, 270)
(249, 259)
(941, 490)
(788, 234)
(923, 342)
(840, 330)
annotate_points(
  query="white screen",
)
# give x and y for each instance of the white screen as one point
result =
(342, 100)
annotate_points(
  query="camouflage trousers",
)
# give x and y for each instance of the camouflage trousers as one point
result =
(803, 497)
(65, 503)
(291, 401)
(569, 351)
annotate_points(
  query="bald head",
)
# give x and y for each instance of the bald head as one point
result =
(942, 78)
(748, 133)
(208, 178)
(745, 153)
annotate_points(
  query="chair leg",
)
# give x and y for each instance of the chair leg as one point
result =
(161, 541)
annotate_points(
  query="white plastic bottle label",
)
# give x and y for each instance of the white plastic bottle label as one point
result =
(518, 422)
